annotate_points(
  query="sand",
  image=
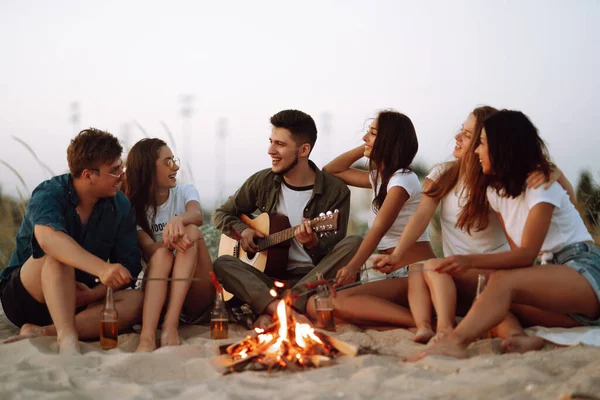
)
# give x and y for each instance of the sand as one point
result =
(32, 369)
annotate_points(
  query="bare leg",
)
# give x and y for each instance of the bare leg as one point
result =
(155, 294)
(443, 296)
(201, 294)
(372, 303)
(51, 282)
(515, 339)
(555, 288)
(532, 316)
(128, 304)
(466, 288)
(419, 299)
(184, 267)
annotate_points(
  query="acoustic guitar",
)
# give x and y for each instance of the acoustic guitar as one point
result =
(272, 256)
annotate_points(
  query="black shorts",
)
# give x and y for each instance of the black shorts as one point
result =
(19, 306)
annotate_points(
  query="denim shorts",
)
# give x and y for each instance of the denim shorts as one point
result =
(403, 272)
(585, 259)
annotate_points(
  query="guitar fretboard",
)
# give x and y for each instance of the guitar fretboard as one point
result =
(276, 238)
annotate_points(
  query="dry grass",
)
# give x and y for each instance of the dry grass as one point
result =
(12, 210)
(11, 215)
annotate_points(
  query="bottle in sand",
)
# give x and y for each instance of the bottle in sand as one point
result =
(481, 281)
(109, 334)
(324, 307)
(219, 319)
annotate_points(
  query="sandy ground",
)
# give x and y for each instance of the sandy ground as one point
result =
(32, 369)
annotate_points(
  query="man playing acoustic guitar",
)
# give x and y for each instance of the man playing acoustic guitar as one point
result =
(297, 189)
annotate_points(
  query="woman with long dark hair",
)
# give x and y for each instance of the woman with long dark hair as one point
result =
(168, 217)
(390, 144)
(540, 224)
(445, 186)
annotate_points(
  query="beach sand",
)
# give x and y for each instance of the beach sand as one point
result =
(32, 369)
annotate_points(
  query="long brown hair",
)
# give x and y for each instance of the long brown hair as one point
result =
(394, 149)
(141, 178)
(469, 169)
(515, 150)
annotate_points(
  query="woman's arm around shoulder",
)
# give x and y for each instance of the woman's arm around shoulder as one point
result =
(534, 233)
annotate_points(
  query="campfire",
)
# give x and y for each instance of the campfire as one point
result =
(285, 345)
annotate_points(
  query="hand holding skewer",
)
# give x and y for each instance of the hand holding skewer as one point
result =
(114, 276)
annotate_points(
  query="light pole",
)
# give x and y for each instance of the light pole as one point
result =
(326, 126)
(221, 163)
(75, 117)
(186, 112)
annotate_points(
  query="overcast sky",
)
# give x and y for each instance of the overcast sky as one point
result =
(129, 62)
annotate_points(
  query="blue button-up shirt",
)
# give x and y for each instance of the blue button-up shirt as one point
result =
(110, 233)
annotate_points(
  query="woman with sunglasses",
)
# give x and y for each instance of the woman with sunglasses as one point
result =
(168, 216)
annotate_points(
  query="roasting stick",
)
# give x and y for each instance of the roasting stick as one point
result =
(311, 285)
(97, 280)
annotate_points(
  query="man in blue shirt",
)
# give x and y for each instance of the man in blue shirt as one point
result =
(74, 224)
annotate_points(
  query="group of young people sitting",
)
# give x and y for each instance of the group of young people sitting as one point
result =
(506, 211)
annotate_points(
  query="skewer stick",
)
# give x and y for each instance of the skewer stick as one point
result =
(312, 286)
(97, 280)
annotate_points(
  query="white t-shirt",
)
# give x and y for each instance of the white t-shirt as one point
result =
(410, 182)
(458, 241)
(292, 202)
(566, 226)
(179, 196)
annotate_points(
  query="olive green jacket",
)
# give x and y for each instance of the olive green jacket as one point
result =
(260, 193)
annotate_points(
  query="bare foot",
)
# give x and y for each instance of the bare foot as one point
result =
(443, 347)
(146, 345)
(522, 344)
(33, 330)
(68, 345)
(423, 335)
(263, 321)
(28, 331)
(441, 333)
(169, 337)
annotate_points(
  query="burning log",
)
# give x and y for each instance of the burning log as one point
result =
(285, 345)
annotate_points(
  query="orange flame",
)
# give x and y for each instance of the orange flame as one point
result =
(286, 342)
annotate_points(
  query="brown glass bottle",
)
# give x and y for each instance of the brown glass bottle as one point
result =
(219, 319)
(109, 332)
(481, 282)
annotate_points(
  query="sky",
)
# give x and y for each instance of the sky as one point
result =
(132, 66)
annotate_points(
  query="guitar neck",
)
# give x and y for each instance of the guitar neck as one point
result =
(276, 238)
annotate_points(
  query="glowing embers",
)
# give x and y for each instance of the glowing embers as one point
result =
(285, 345)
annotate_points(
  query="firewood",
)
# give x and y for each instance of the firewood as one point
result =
(341, 346)
(321, 361)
